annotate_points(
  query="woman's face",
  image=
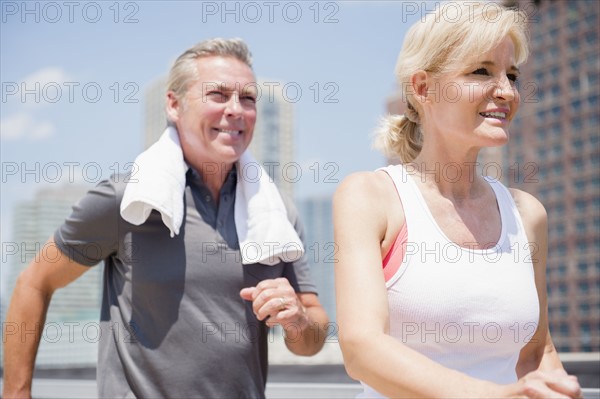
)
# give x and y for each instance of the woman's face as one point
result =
(474, 104)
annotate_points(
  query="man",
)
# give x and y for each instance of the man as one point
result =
(184, 312)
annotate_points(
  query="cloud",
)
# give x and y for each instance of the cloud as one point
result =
(24, 125)
(47, 75)
(22, 95)
(36, 89)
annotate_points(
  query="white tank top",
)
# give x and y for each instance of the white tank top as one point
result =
(468, 309)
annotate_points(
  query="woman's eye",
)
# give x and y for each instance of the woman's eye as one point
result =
(480, 71)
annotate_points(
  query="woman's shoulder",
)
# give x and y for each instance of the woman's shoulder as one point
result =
(530, 209)
(371, 186)
(372, 198)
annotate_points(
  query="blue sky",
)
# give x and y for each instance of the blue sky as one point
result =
(74, 73)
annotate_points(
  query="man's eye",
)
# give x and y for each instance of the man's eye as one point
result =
(249, 99)
(512, 77)
(480, 71)
(217, 95)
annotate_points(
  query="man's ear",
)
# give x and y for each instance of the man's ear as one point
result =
(172, 107)
(419, 83)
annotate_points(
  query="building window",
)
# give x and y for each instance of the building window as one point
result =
(580, 227)
(562, 288)
(563, 309)
(562, 270)
(541, 116)
(590, 37)
(585, 327)
(574, 65)
(583, 287)
(575, 85)
(585, 332)
(541, 153)
(539, 77)
(561, 250)
(555, 130)
(582, 267)
(593, 121)
(557, 168)
(593, 78)
(591, 19)
(573, 42)
(557, 151)
(584, 309)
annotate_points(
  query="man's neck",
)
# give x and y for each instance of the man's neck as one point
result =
(214, 177)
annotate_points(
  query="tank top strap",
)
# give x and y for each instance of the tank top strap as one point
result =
(418, 220)
(512, 224)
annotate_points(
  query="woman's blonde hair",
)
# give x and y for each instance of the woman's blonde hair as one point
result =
(453, 34)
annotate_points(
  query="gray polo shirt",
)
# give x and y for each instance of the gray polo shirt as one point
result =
(172, 321)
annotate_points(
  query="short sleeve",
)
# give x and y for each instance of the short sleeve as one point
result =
(90, 234)
(298, 272)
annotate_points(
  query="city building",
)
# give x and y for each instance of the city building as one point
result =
(317, 217)
(71, 331)
(554, 154)
(155, 117)
(273, 142)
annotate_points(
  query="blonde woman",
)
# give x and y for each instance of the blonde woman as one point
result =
(451, 265)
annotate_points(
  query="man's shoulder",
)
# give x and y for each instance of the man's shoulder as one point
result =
(117, 184)
(106, 195)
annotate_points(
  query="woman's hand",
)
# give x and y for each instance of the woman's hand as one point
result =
(546, 384)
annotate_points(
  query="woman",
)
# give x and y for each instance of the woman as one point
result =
(451, 264)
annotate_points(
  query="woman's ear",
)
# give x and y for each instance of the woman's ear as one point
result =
(172, 107)
(419, 83)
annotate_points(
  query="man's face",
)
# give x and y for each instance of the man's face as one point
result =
(215, 119)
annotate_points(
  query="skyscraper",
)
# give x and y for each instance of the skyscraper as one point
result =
(273, 142)
(71, 330)
(554, 154)
(317, 216)
(155, 117)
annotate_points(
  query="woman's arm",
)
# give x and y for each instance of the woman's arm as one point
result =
(539, 353)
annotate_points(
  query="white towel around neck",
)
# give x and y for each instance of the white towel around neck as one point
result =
(265, 234)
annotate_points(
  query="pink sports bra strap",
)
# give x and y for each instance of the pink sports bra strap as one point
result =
(395, 256)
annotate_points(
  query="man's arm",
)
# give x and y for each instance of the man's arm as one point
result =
(300, 314)
(50, 270)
